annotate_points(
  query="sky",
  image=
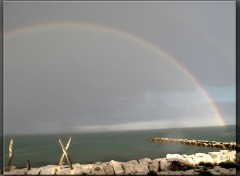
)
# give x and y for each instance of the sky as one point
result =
(106, 66)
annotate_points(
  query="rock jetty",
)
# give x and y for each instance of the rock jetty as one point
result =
(221, 145)
(172, 164)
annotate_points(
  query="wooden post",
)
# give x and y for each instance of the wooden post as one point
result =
(66, 154)
(28, 165)
(10, 155)
(62, 157)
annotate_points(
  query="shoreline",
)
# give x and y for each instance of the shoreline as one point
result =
(173, 164)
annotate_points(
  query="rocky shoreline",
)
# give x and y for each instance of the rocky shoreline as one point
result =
(172, 164)
(205, 143)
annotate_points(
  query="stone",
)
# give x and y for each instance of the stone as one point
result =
(233, 171)
(213, 172)
(104, 164)
(189, 172)
(176, 173)
(98, 170)
(164, 165)
(217, 168)
(128, 167)
(188, 160)
(141, 168)
(16, 172)
(144, 160)
(34, 171)
(224, 171)
(202, 157)
(218, 157)
(154, 166)
(108, 170)
(64, 171)
(77, 171)
(117, 167)
(77, 165)
(173, 157)
(87, 168)
(133, 162)
(163, 173)
(49, 170)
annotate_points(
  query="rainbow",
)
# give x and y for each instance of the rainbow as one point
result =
(132, 37)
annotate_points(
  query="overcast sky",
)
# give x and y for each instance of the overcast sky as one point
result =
(95, 66)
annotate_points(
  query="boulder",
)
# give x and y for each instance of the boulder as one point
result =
(218, 157)
(202, 157)
(173, 157)
(164, 165)
(189, 172)
(144, 160)
(163, 173)
(108, 169)
(16, 172)
(154, 166)
(49, 170)
(64, 171)
(34, 171)
(176, 173)
(117, 167)
(141, 168)
(188, 161)
(98, 170)
(213, 172)
(128, 167)
(87, 168)
(224, 171)
(77, 171)
(133, 162)
(77, 165)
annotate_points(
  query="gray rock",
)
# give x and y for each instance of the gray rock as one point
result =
(98, 170)
(173, 157)
(224, 171)
(87, 168)
(16, 172)
(133, 162)
(49, 170)
(144, 160)
(34, 171)
(163, 173)
(176, 173)
(108, 170)
(214, 172)
(128, 168)
(141, 168)
(164, 165)
(117, 167)
(154, 166)
(64, 171)
(77, 171)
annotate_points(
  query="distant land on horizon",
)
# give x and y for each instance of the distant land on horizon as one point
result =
(120, 131)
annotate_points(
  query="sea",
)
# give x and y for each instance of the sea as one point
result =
(44, 149)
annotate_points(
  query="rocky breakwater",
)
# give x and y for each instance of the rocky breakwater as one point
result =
(205, 143)
(172, 164)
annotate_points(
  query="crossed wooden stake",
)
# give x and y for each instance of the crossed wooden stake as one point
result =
(65, 153)
(10, 155)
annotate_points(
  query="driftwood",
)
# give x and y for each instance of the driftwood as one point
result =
(10, 155)
(28, 165)
(66, 154)
(62, 157)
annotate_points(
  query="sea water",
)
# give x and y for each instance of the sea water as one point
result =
(105, 146)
